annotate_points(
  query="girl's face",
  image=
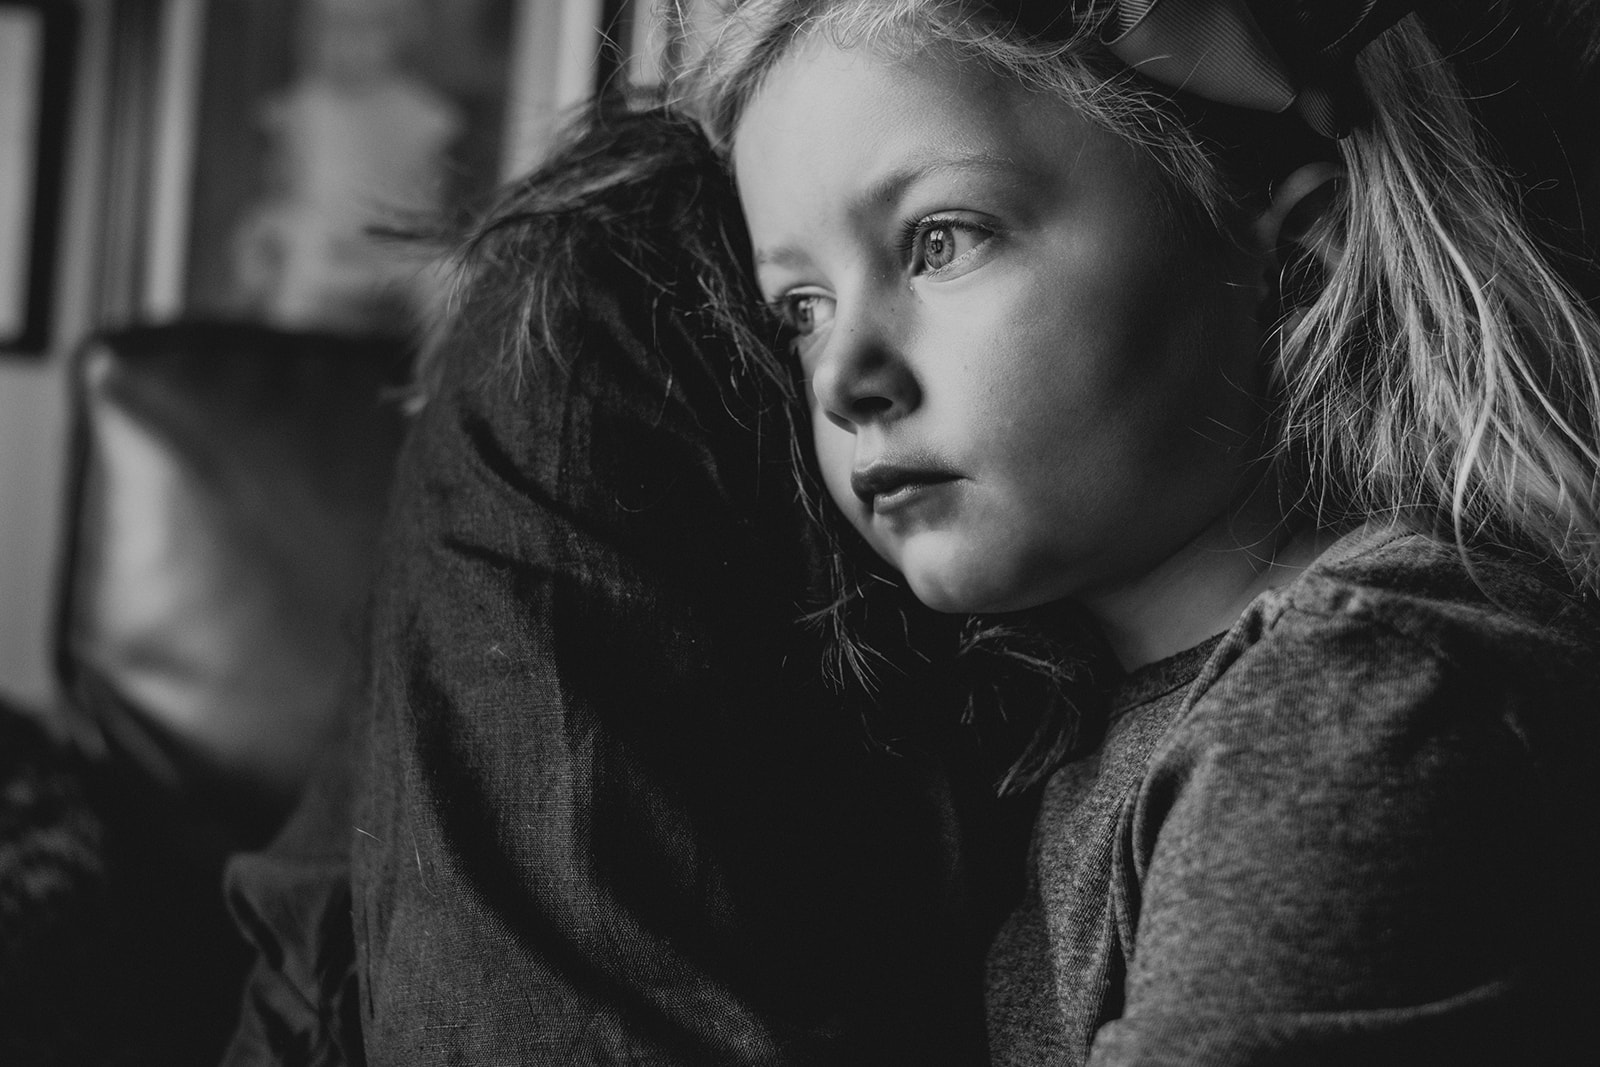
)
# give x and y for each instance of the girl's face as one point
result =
(1026, 384)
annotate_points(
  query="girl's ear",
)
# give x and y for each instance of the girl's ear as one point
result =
(1299, 254)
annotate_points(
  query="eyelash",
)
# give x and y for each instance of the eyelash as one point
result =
(913, 229)
(782, 312)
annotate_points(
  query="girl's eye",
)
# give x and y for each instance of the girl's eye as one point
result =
(804, 312)
(937, 243)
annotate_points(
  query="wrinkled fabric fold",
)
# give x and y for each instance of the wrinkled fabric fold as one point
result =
(1266, 56)
(1212, 48)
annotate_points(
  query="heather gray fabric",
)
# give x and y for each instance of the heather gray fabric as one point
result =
(1344, 832)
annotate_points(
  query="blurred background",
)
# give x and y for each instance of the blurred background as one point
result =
(206, 322)
(166, 160)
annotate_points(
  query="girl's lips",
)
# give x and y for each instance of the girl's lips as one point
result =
(904, 495)
(883, 486)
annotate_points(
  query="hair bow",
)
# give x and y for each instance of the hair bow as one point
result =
(1269, 55)
(1264, 55)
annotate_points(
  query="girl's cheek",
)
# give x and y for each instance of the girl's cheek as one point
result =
(835, 455)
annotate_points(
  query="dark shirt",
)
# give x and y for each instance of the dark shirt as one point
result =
(1345, 832)
(605, 808)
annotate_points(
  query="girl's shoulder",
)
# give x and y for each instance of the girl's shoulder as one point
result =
(1363, 819)
(1479, 608)
(1391, 636)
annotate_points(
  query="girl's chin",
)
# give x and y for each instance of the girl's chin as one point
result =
(951, 574)
(961, 594)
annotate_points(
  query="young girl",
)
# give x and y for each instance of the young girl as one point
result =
(1220, 324)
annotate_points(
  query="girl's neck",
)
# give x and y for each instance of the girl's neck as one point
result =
(1203, 587)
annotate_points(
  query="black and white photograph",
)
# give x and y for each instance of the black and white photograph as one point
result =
(799, 533)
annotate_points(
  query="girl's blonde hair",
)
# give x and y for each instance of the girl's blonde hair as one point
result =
(1441, 371)
(1446, 373)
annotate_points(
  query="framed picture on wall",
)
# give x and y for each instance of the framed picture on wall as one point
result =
(320, 125)
(35, 83)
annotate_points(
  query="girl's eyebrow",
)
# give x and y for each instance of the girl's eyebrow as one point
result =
(892, 186)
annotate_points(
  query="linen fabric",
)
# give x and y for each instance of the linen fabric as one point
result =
(1347, 831)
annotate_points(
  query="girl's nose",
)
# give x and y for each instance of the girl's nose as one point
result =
(862, 378)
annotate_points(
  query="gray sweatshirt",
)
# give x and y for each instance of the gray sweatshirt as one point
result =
(1348, 831)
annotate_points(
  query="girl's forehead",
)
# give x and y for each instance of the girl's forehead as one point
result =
(930, 101)
(948, 86)
(850, 129)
